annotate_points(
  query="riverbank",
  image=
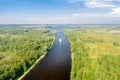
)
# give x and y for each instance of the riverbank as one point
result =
(31, 68)
(36, 63)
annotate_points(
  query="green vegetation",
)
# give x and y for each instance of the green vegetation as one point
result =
(95, 53)
(20, 47)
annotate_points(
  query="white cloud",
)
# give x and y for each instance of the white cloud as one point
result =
(98, 4)
(96, 18)
(115, 13)
(116, 10)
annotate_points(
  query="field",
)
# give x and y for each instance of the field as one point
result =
(20, 47)
(95, 53)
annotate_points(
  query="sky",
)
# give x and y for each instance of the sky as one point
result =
(59, 11)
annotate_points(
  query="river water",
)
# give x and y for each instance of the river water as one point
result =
(56, 65)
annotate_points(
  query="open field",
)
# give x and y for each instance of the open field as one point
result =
(95, 53)
(20, 47)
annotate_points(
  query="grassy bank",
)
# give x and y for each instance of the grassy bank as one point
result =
(33, 66)
(95, 53)
(20, 47)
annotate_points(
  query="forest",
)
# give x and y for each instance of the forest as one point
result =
(20, 47)
(95, 53)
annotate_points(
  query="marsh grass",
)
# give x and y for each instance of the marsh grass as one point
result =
(95, 54)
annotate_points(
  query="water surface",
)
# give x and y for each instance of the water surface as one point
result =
(56, 65)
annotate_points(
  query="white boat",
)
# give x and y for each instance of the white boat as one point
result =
(60, 40)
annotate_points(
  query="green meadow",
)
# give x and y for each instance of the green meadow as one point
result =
(95, 53)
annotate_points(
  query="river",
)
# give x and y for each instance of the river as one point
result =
(56, 65)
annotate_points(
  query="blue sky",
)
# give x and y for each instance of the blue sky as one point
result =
(59, 11)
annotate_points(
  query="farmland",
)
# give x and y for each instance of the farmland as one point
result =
(95, 53)
(20, 47)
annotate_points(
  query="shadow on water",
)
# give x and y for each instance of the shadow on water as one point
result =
(56, 65)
